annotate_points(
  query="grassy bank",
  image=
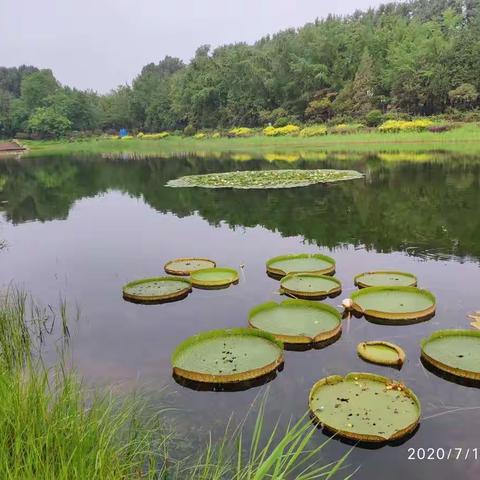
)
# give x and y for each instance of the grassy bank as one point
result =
(53, 428)
(464, 139)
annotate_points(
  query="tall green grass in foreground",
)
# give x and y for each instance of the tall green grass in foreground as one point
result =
(51, 427)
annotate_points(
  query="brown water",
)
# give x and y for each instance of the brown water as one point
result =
(83, 227)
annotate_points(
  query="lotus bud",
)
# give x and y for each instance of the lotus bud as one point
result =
(347, 303)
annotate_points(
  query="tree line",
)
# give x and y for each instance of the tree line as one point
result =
(416, 58)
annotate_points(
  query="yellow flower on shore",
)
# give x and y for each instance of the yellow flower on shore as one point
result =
(280, 131)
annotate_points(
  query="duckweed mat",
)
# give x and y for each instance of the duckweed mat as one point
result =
(385, 279)
(214, 277)
(231, 355)
(301, 263)
(297, 321)
(456, 352)
(158, 289)
(364, 407)
(310, 285)
(381, 353)
(265, 179)
(394, 303)
(185, 266)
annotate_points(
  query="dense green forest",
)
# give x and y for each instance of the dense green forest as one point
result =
(416, 58)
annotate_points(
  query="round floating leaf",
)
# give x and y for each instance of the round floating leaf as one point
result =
(297, 321)
(365, 407)
(262, 179)
(385, 279)
(382, 353)
(156, 289)
(394, 303)
(185, 266)
(454, 351)
(223, 356)
(214, 277)
(310, 285)
(301, 263)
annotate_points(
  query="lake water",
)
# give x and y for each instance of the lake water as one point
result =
(83, 227)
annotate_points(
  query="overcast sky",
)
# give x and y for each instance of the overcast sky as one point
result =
(100, 44)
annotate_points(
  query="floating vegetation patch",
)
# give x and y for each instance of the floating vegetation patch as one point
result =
(385, 279)
(265, 179)
(214, 277)
(365, 407)
(297, 321)
(301, 263)
(185, 266)
(224, 356)
(382, 353)
(153, 290)
(395, 304)
(456, 352)
(310, 285)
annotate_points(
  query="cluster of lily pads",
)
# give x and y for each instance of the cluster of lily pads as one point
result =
(265, 179)
(201, 273)
(358, 406)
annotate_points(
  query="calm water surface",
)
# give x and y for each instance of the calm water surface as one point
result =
(82, 227)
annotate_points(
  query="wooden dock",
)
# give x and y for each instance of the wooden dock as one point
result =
(11, 147)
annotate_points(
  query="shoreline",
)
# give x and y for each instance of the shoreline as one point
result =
(464, 139)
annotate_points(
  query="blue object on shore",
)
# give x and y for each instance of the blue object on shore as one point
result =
(123, 132)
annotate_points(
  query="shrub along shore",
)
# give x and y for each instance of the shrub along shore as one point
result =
(402, 136)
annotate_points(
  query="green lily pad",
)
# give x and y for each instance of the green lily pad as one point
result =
(297, 321)
(263, 179)
(231, 355)
(365, 407)
(394, 303)
(310, 285)
(456, 352)
(301, 263)
(160, 289)
(185, 266)
(382, 353)
(385, 279)
(214, 277)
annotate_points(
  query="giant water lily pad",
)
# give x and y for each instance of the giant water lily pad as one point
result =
(365, 407)
(214, 277)
(262, 179)
(310, 285)
(300, 263)
(224, 356)
(160, 289)
(297, 321)
(382, 353)
(456, 352)
(385, 279)
(185, 266)
(394, 303)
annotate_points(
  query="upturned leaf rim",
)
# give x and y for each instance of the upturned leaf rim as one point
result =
(298, 339)
(310, 295)
(372, 358)
(355, 376)
(358, 282)
(196, 282)
(155, 298)
(226, 378)
(457, 372)
(173, 271)
(292, 256)
(379, 314)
